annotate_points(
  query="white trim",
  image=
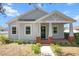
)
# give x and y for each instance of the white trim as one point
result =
(11, 29)
(50, 29)
(39, 30)
(30, 25)
(57, 29)
(10, 21)
(18, 28)
(71, 30)
(44, 22)
(54, 22)
(26, 22)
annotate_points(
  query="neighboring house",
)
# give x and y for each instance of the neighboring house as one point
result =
(40, 26)
(1, 28)
(75, 29)
(3, 31)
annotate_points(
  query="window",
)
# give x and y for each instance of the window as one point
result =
(13, 30)
(55, 30)
(27, 29)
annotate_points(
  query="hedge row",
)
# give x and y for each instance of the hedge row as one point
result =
(75, 34)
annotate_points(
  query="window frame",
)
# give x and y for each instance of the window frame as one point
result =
(30, 29)
(12, 30)
(57, 30)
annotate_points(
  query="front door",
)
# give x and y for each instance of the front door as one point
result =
(43, 32)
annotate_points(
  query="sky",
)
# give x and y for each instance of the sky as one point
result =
(15, 9)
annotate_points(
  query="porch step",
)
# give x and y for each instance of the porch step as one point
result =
(45, 41)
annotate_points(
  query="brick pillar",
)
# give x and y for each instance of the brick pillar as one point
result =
(71, 37)
(38, 39)
(50, 39)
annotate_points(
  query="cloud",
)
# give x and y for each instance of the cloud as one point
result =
(66, 12)
(37, 5)
(9, 4)
(76, 17)
(70, 4)
(10, 11)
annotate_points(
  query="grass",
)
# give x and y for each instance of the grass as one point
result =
(70, 51)
(14, 49)
(56, 48)
(17, 47)
(36, 48)
(4, 39)
(65, 50)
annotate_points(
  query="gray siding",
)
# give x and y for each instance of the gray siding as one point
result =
(25, 36)
(35, 31)
(13, 36)
(60, 33)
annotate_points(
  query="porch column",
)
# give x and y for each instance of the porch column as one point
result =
(18, 30)
(71, 37)
(38, 36)
(50, 29)
(50, 38)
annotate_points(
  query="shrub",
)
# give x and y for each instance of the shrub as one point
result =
(73, 43)
(77, 37)
(29, 41)
(66, 35)
(68, 43)
(38, 44)
(5, 40)
(24, 42)
(58, 43)
(56, 48)
(65, 43)
(36, 48)
(18, 41)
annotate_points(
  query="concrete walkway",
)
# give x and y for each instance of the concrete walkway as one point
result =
(46, 51)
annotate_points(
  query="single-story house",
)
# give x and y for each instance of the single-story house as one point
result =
(40, 26)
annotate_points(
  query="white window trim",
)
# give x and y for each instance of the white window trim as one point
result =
(57, 29)
(11, 29)
(30, 29)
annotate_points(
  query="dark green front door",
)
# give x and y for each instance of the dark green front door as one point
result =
(43, 32)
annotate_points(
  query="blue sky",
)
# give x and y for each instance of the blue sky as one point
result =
(15, 9)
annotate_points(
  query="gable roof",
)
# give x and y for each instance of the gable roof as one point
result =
(20, 17)
(59, 13)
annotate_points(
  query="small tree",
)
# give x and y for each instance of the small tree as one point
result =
(2, 10)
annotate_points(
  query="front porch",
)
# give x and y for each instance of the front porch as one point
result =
(48, 34)
(56, 32)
